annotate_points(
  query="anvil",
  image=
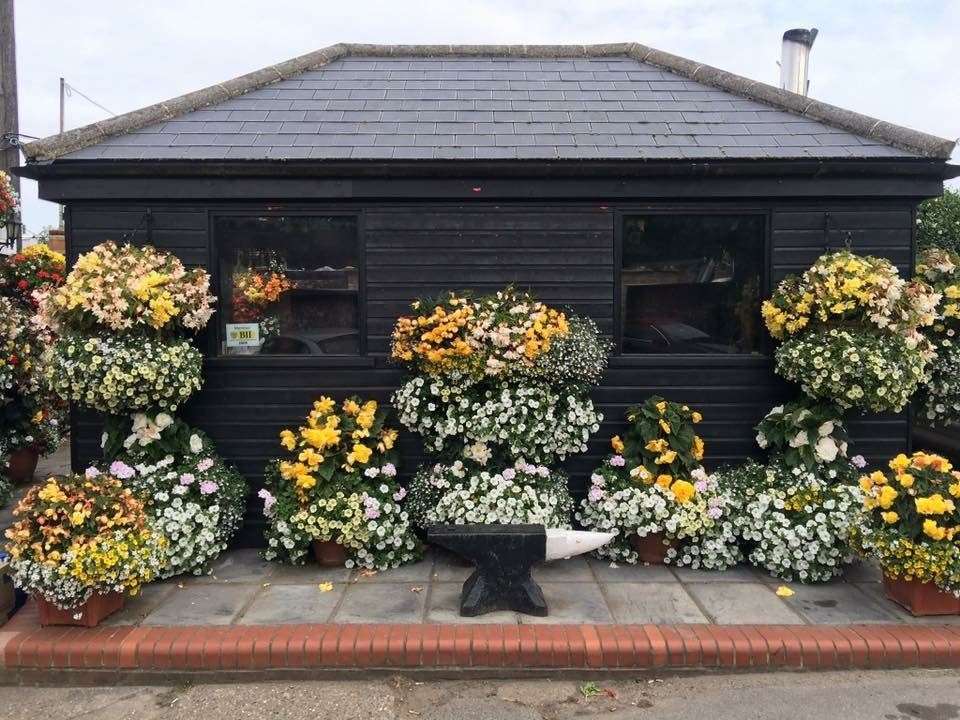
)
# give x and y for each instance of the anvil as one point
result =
(503, 556)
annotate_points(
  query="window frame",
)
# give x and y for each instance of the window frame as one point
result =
(639, 359)
(214, 331)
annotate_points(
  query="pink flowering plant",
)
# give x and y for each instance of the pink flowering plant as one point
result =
(190, 495)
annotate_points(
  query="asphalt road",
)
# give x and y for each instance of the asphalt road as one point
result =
(887, 695)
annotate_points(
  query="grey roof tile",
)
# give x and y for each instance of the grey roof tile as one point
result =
(494, 107)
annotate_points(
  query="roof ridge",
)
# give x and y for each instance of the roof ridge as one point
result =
(903, 138)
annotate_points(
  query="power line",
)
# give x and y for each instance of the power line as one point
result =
(70, 89)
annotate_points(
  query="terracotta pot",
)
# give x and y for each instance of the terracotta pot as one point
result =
(329, 553)
(652, 548)
(91, 613)
(921, 598)
(22, 464)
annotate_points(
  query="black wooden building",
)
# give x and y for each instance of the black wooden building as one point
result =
(662, 197)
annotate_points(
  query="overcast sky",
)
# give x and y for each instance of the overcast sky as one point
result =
(896, 60)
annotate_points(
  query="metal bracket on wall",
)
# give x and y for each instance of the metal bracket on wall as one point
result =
(830, 224)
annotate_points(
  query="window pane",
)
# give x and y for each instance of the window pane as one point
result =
(289, 285)
(691, 283)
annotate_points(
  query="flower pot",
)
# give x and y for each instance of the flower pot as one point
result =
(89, 614)
(921, 598)
(22, 464)
(329, 553)
(652, 548)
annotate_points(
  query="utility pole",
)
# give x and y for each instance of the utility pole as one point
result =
(9, 118)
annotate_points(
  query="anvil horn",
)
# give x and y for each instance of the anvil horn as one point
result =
(567, 543)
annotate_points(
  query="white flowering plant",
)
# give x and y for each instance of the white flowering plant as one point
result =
(370, 522)
(794, 523)
(510, 420)
(939, 399)
(196, 500)
(575, 360)
(695, 516)
(855, 368)
(464, 493)
(938, 221)
(124, 374)
(151, 436)
(805, 433)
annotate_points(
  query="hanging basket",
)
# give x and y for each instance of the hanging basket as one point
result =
(22, 465)
(652, 548)
(89, 614)
(921, 598)
(329, 553)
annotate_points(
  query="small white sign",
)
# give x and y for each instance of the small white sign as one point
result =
(243, 335)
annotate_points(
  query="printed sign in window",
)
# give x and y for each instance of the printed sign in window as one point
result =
(243, 335)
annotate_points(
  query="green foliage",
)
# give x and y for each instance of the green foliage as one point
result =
(662, 438)
(938, 222)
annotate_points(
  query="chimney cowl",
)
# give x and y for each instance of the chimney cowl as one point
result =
(802, 36)
(795, 59)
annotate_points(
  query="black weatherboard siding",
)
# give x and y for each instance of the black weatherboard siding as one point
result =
(564, 251)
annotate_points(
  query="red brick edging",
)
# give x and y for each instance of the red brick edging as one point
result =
(26, 647)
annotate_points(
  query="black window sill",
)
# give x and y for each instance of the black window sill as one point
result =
(290, 361)
(688, 360)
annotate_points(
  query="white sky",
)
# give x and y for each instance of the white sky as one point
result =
(893, 59)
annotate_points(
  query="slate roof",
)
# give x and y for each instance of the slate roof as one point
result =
(503, 102)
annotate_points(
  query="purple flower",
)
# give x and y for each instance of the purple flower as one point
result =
(389, 470)
(509, 474)
(372, 513)
(595, 494)
(90, 473)
(121, 470)
(859, 461)
(701, 485)
(187, 479)
(205, 464)
(714, 512)
(618, 461)
(207, 487)
(268, 501)
(400, 494)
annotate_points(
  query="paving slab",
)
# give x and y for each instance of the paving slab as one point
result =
(742, 604)
(308, 574)
(865, 571)
(449, 568)
(382, 603)
(418, 572)
(568, 570)
(239, 566)
(639, 603)
(293, 604)
(607, 572)
(136, 608)
(574, 603)
(202, 605)
(444, 607)
(839, 604)
(742, 573)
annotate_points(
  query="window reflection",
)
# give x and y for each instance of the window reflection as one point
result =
(691, 284)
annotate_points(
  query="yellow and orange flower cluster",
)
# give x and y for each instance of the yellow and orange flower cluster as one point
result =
(488, 336)
(254, 291)
(919, 499)
(86, 529)
(335, 441)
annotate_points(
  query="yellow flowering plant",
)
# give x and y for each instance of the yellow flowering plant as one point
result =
(662, 438)
(127, 289)
(338, 482)
(912, 519)
(82, 534)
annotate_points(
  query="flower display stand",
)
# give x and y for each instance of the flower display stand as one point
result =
(329, 553)
(652, 549)
(22, 465)
(921, 598)
(89, 614)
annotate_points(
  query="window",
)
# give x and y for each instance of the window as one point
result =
(289, 285)
(692, 283)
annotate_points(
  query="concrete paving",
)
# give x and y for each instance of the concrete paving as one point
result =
(890, 695)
